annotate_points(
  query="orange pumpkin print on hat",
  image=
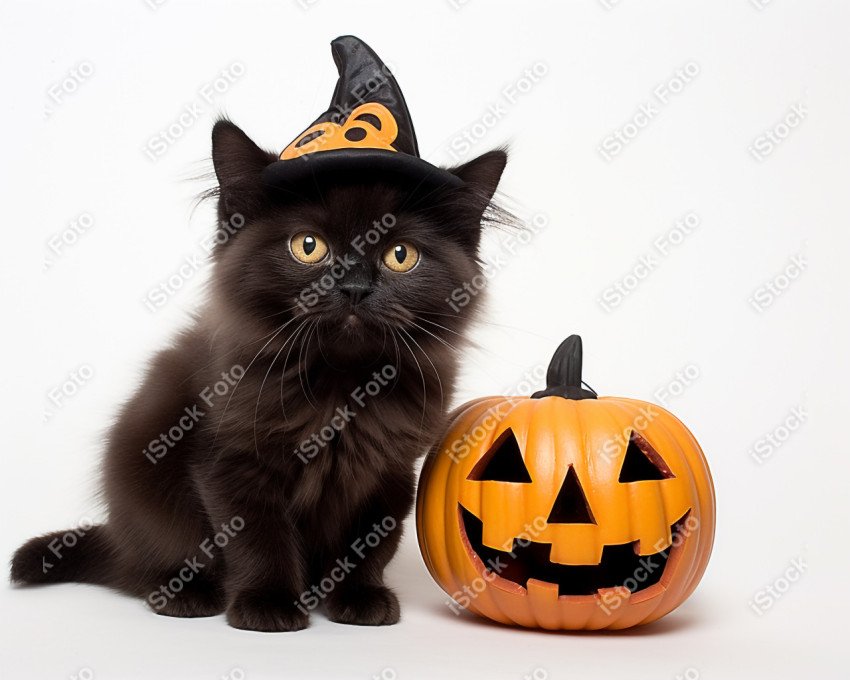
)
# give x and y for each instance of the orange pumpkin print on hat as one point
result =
(370, 126)
(565, 510)
(365, 132)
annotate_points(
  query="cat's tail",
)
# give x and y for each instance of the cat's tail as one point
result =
(83, 555)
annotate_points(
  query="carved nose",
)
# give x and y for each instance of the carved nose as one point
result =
(571, 506)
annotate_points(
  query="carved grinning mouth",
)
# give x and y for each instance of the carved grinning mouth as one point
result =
(620, 567)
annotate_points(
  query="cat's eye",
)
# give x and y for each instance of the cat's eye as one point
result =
(308, 248)
(402, 257)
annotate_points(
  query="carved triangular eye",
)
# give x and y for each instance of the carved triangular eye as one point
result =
(571, 506)
(502, 463)
(642, 462)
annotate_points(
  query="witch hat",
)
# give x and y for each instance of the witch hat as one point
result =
(366, 131)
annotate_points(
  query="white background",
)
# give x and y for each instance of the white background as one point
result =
(84, 306)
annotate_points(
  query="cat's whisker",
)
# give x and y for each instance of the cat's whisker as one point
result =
(436, 372)
(457, 349)
(479, 322)
(310, 334)
(424, 388)
(445, 328)
(259, 396)
(239, 382)
(387, 327)
(319, 343)
(262, 385)
(283, 311)
(301, 372)
(292, 337)
(436, 337)
(231, 351)
(475, 345)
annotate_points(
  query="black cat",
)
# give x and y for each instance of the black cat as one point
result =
(265, 465)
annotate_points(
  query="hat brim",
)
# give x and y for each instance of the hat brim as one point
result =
(409, 171)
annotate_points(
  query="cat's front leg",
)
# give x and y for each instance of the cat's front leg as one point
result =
(361, 598)
(265, 567)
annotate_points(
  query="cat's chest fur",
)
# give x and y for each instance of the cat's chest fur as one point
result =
(364, 423)
(329, 432)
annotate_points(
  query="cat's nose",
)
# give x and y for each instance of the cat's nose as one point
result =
(357, 283)
(355, 291)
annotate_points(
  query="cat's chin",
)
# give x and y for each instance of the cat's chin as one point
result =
(352, 338)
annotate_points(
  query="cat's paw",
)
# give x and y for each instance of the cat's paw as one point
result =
(193, 603)
(364, 605)
(265, 614)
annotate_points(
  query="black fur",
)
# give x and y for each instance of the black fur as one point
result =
(289, 518)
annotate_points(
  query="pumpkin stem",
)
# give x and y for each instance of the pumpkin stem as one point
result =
(563, 379)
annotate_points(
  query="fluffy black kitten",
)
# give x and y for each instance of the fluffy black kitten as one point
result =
(265, 465)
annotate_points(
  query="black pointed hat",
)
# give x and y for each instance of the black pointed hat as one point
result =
(366, 131)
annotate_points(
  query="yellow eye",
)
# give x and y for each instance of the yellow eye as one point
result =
(308, 248)
(402, 257)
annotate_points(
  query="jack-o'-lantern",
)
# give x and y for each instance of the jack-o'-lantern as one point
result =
(566, 510)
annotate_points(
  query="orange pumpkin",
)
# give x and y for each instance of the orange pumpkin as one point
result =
(564, 510)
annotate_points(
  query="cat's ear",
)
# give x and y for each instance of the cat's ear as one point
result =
(481, 178)
(238, 163)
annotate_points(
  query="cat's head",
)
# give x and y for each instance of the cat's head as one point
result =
(358, 263)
